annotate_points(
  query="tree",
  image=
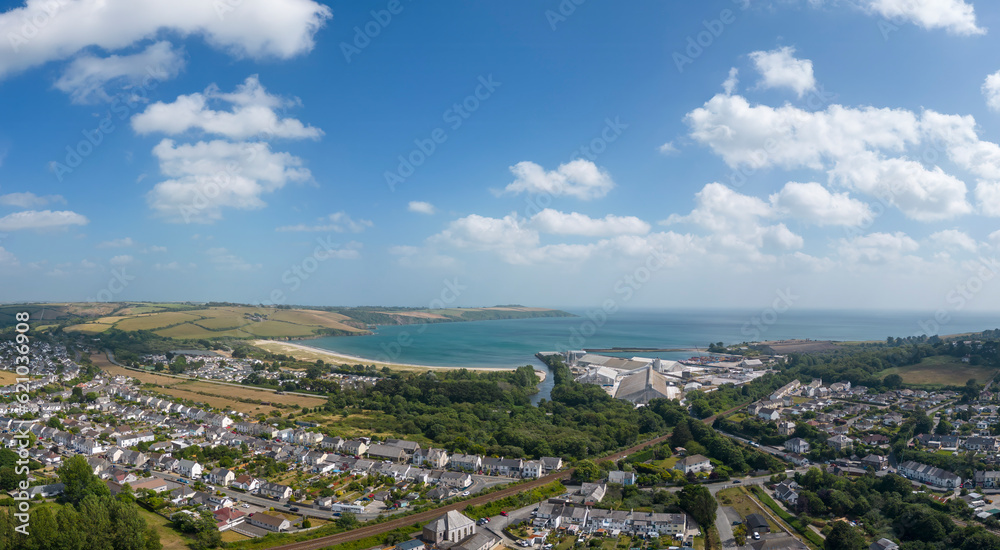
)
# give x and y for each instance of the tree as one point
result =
(586, 471)
(943, 428)
(844, 537)
(892, 381)
(681, 435)
(79, 480)
(740, 534)
(347, 521)
(698, 501)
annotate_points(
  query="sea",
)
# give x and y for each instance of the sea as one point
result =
(514, 342)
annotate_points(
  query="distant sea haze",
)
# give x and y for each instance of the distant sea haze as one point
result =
(513, 342)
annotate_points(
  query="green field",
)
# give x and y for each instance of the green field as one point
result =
(941, 370)
(152, 321)
(185, 320)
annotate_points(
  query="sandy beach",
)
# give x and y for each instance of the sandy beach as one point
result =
(310, 353)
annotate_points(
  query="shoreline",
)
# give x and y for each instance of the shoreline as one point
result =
(337, 357)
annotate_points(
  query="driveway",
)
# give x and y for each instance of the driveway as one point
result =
(725, 516)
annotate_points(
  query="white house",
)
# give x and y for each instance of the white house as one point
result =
(189, 468)
(797, 445)
(694, 463)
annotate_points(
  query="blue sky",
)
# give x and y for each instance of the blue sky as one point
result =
(566, 153)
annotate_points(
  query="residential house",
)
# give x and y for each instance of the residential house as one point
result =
(929, 474)
(984, 444)
(551, 463)
(769, 414)
(269, 522)
(189, 468)
(221, 476)
(786, 428)
(387, 452)
(247, 483)
(883, 544)
(532, 469)
(620, 477)
(787, 491)
(797, 445)
(987, 479)
(693, 463)
(472, 463)
(226, 518)
(275, 490)
(841, 443)
(875, 462)
(129, 440)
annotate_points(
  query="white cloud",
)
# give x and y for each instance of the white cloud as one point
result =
(7, 258)
(812, 203)
(349, 251)
(729, 85)
(338, 222)
(207, 177)
(877, 248)
(223, 259)
(780, 69)
(155, 248)
(41, 219)
(669, 148)
(952, 239)
(254, 28)
(29, 199)
(734, 224)
(859, 148)
(506, 236)
(921, 194)
(87, 76)
(991, 91)
(252, 115)
(955, 16)
(560, 223)
(412, 256)
(117, 243)
(421, 207)
(122, 259)
(579, 178)
(720, 209)
(759, 136)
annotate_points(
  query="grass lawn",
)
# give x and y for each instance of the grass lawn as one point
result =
(743, 505)
(668, 463)
(171, 539)
(565, 544)
(232, 536)
(699, 543)
(941, 370)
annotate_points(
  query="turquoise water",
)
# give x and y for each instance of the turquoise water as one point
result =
(514, 342)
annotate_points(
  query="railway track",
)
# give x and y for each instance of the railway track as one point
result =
(372, 530)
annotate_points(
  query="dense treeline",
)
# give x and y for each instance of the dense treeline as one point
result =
(87, 518)
(888, 507)
(861, 365)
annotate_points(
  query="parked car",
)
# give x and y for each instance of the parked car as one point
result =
(503, 513)
(737, 481)
(294, 508)
(756, 535)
